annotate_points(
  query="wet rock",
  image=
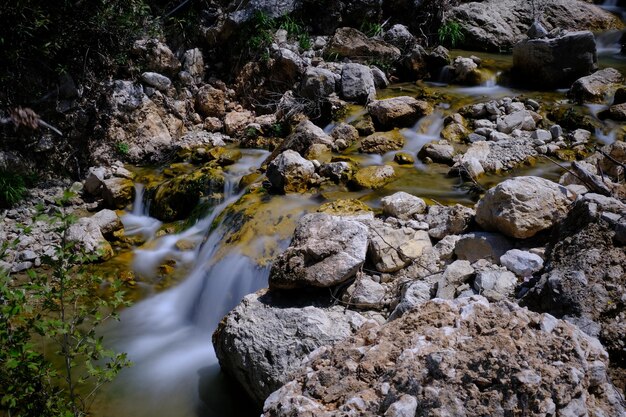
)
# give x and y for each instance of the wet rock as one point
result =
(210, 102)
(339, 172)
(306, 134)
(523, 206)
(536, 31)
(117, 192)
(438, 152)
(351, 208)
(176, 198)
(382, 143)
(317, 83)
(597, 87)
(380, 79)
(522, 263)
(434, 347)
(490, 156)
(290, 172)
(465, 71)
(350, 43)
(495, 284)
(107, 221)
(344, 135)
(482, 245)
(557, 62)
(403, 158)
(401, 111)
(448, 220)
(357, 83)
(374, 177)
(403, 205)
(391, 249)
(325, 251)
(266, 337)
(157, 55)
(156, 80)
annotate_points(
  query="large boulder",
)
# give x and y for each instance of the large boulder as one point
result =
(597, 87)
(210, 101)
(157, 56)
(350, 43)
(317, 83)
(401, 111)
(290, 173)
(325, 251)
(523, 206)
(266, 337)
(382, 142)
(373, 177)
(304, 136)
(357, 83)
(555, 63)
(465, 357)
(497, 25)
(117, 192)
(86, 237)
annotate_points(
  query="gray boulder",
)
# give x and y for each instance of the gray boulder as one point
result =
(401, 111)
(399, 36)
(317, 83)
(156, 80)
(325, 251)
(304, 135)
(403, 205)
(495, 284)
(482, 245)
(290, 172)
(448, 220)
(597, 87)
(391, 249)
(522, 263)
(350, 43)
(523, 206)
(357, 83)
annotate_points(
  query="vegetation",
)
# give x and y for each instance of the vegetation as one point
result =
(371, 29)
(259, 34)
(450, 33)
(13, 187)
(62, 308)
(122, 148)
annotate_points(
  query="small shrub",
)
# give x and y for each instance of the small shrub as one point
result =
(371, 29)
(450, 33)
(12, 188)
(122, 148)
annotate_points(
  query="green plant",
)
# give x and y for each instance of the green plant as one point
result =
(12, 188)
(371, 29)
(450, 33)
(65, 306)
(122, 148)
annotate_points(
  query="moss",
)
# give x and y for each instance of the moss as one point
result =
(344, 207)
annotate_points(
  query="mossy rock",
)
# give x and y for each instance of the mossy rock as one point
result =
(573, 117)
(175, 199)
(345, 207)
(224, 156)
(373, 177)
(382, 142)
(403, 158)
(455, 132)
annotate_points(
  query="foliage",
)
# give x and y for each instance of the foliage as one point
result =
(450, 33)
(65, 306)
(122, 148)
(371, 29)
(12, 188)
(259, 33)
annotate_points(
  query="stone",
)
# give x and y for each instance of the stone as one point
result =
(482, 245)
(118, 192)
(336, 171)
(87, 238)
(156, 80)
(495, 284)
(350, 43)
(438, 152)
(304, 135)
(357, 83)
(403, 205)
(455, 274)
(236, 121)
(536, 31)
(365, 293)
(374, 177)
(399, 36)
(288, 66)
(158, 56)
(542, 135)
(382, 143)
(317, 83)
(391, 249)
(522, 263)
(346, 133)
(519, 120)
(107, 221)
(556, 62)
(94, 182)
(523, 206)
(325, 251)
(267, 336)
(401, 111)
(465, 71)
(434, 346)
(406, 406)
(193, 64)
(290, 172)
(448, 220)
(403, 158)
(210, 102)
(597, 87)
(380, 78)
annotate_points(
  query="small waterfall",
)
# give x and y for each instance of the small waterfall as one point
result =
(138, 222)
(426, 130)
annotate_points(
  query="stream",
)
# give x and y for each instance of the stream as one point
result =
(167, 334)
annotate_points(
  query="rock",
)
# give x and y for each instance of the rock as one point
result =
(357, 83)
(522, 263)
(380, 79)
(325, 251)
(345, 133)
(176, 198)
(317, 83)
(438, 152)
(374, 177)
(365, 293)
(403, 205)
(406, 406)
(193, 64)
(523, 206)
(482, 245)
(536, 31)
(435, 347)
(157, 55)
(156, 80)
(448, 220)
(339, 172)
(616, 112)
(94, 182)
(495, 284)
(118, 192)
(236, 121)
(306, 134)
(542, 135)
(404, 158)
(266, 337)
(382, 143)
(399, 36)
(350, 43)
(288, 67)
(350, 208)
(107, 221)
(490, 156)
(597, 87)
(456, 274)
(210, 102)
(497, 25)
(391, 249)
(401, 111)
(87, 238)
(519, 120)
(556, 131)
(465, 71)
(555, 63)
(290, 172)
(198, 139)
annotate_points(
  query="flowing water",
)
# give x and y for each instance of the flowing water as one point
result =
(223, 257)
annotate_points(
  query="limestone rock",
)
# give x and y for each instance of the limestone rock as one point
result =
(210, 102)
(391, 249)
(157, 55)
(306, 134)
(382, 143)
(87, 238)
(597, 87)
(522, 263)
(523, 206)
(290, 172)
(317, 83)
(482, 245)
(357, 83)
(495, 284)
(401, 111)
(350, 43)
(403, 205)
(374, 177)
(118, 192)
(156, 80)
(448, 220)
(325, 251)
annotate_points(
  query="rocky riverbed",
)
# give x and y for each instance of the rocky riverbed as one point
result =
(366, 224)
